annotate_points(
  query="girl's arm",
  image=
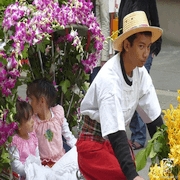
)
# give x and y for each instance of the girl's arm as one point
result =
(37, 152)
(16, 164)
(67, 134)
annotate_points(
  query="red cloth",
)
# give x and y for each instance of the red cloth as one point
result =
(48, 163)
(97, 161)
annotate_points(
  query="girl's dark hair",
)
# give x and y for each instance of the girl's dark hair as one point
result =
(134, 36)
(42, 87)
(23, 111)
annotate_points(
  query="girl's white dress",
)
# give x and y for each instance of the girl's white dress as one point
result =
(26, 161)
(64, 169)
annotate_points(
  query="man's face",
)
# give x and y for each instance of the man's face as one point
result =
(140, 49)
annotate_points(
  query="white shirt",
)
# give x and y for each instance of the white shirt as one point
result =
(112, 102)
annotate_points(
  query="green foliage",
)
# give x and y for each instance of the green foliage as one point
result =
(156, 149)
(56, 61)
(4, 158)
(3, 5)
(61, 63)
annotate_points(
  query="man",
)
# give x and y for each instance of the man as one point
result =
(137, 127)
(122, 85)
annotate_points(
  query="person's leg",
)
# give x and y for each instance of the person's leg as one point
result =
(148, 63)
(97, 161)
(138, 130)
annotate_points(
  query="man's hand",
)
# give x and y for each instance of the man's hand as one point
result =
(138, 178)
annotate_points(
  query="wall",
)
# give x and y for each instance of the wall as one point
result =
(169, 18)
(112, 5)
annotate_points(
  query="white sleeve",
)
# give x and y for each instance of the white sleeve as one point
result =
(67, 134)
(148, 98)
(37, 152)
(16, 164)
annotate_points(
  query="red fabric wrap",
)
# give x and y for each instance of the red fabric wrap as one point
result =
(97, 161)
(96, 157)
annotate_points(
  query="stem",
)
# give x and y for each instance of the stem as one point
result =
(53, 58)
(52, 49)
(31, 70)
(70, 106)
(11, 174)
(61, 100)
(79, 74)
(41, 63)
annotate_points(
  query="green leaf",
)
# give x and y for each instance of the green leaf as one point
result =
(152, 153)
(5, 156)
(157, 146)
(4, 61)
(41, 46)
(148, 148)
(25, 51)
(65, 85)
(78, 57)
(141, 160)
(156, 135)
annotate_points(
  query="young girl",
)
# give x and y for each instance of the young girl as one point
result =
(49, 121)
(24, 142)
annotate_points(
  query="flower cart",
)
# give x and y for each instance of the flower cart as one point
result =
(59, 40)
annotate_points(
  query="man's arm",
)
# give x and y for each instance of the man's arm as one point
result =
(152, 127)
(122, 151)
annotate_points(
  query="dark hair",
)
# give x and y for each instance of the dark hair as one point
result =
(23, 111)
(134, 36)
(42, 87)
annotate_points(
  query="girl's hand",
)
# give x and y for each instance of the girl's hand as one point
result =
(138, 178)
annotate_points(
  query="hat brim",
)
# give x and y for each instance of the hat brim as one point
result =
(118, 42)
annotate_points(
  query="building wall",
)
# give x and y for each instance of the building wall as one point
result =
(169, 18)
(112, 5)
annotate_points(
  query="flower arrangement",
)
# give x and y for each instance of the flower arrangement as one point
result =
(61, 40)
(163, 148)
(61, 43)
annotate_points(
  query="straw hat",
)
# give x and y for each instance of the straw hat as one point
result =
(133, 23)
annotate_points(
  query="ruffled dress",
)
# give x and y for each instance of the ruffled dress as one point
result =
(25, 147)
(49, 133)
(20, 150)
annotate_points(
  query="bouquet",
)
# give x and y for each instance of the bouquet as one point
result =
(164, 148)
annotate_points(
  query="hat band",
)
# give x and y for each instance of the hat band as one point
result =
(141, 25)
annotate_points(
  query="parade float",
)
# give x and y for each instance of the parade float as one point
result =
(59, 40)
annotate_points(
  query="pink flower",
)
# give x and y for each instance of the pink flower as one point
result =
(6, 130)
(3, 74)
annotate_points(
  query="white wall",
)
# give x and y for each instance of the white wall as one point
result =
(112, 5)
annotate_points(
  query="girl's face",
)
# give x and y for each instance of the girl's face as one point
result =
(27, 126)
(35, 103)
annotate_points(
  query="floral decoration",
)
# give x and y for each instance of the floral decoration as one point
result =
(59, 40)
(164, 148)
(62, 43)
